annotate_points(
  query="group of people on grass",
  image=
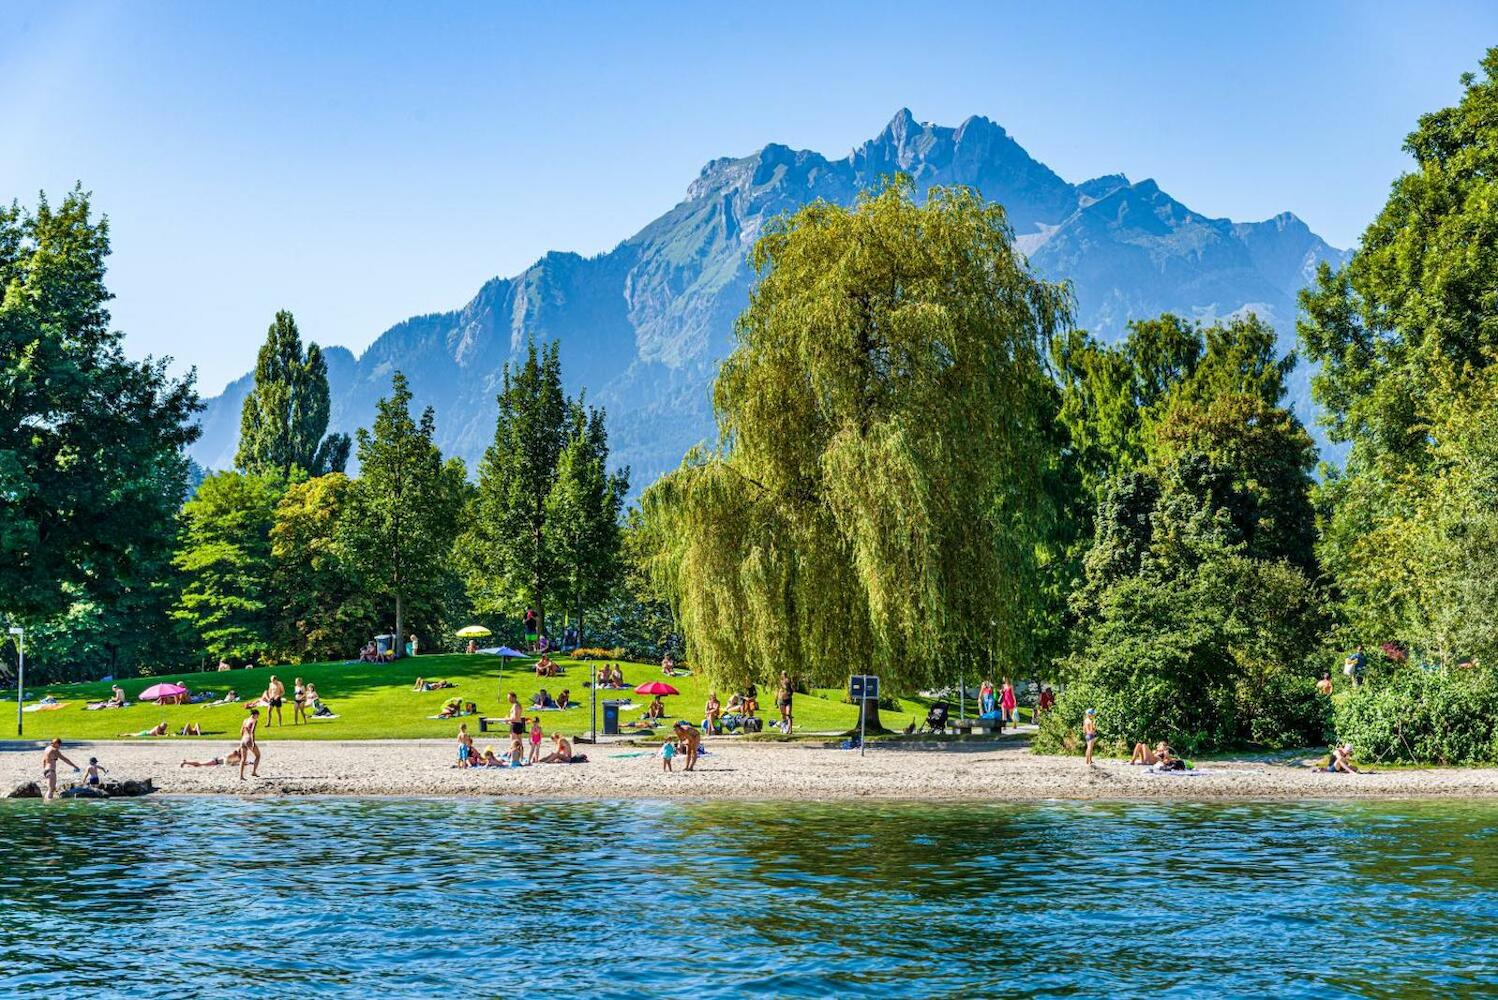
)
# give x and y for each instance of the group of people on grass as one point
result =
(611, 676)
(306, 703)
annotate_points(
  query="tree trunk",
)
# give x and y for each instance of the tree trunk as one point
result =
(869, 716)
(400, 645)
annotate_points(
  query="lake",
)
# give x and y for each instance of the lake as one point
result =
(422, 898)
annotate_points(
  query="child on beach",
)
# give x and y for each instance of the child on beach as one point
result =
(668, 751)
(1089, 732)
(92, 772)
(517, 751)
(535, 739)
(465, 746)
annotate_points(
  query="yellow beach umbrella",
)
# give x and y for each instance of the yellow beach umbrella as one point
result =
(473, 632)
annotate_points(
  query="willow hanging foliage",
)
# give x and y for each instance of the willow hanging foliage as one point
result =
(866, 505)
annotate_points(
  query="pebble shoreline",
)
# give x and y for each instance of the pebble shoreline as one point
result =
(732, 771)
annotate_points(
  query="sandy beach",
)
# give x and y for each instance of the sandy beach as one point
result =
(731, 771)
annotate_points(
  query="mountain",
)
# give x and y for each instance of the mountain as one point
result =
(644, 325)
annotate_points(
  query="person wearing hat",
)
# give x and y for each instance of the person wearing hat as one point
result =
(91, 775)
(1089, 731)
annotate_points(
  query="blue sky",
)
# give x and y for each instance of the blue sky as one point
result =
(361, 163)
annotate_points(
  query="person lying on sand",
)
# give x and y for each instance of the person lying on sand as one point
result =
(1144, 755)
(489, 759)
(232, 758)
(156, 730)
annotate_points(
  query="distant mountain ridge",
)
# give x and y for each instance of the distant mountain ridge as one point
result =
(644, 326)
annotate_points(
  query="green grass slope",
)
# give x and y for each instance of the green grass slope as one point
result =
(375, 701)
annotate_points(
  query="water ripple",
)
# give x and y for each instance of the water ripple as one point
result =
(418, 898)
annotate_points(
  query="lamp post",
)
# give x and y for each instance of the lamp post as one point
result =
(20, 634)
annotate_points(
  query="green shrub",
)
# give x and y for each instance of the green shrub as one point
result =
(1438, 717)
(1288, 711)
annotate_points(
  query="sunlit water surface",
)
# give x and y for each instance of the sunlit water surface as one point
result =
(382, 898)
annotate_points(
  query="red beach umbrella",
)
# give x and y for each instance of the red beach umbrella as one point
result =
(656, 687)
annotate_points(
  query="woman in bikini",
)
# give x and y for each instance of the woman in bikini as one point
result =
(50, 756)
(247, 744)
(562, 754)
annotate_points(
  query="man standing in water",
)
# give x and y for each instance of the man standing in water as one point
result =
(247, 744)
(275, 692)
(50, 757)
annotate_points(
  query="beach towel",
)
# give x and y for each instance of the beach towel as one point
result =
(457, 715)
(320, 718)
(45, 708)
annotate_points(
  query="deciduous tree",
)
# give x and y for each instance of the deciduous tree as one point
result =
(866, 509)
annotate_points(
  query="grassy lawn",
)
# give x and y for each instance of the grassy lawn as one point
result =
(375, 701)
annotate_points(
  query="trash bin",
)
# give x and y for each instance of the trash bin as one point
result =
(611, 718)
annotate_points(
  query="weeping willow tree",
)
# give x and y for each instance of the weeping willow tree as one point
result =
(875, 498)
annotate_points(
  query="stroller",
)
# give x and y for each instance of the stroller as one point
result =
(936, 719)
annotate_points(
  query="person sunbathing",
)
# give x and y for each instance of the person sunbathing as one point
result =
(543, 699)
(564, 699)
(1144, 755)
(562, 754)
(157, 730)
(232, 759)
(191, 729)
(656, 709)
(451, 708)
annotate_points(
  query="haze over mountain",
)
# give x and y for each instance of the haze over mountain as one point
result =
(644, 326)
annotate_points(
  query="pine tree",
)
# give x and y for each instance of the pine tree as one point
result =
(285, 415)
